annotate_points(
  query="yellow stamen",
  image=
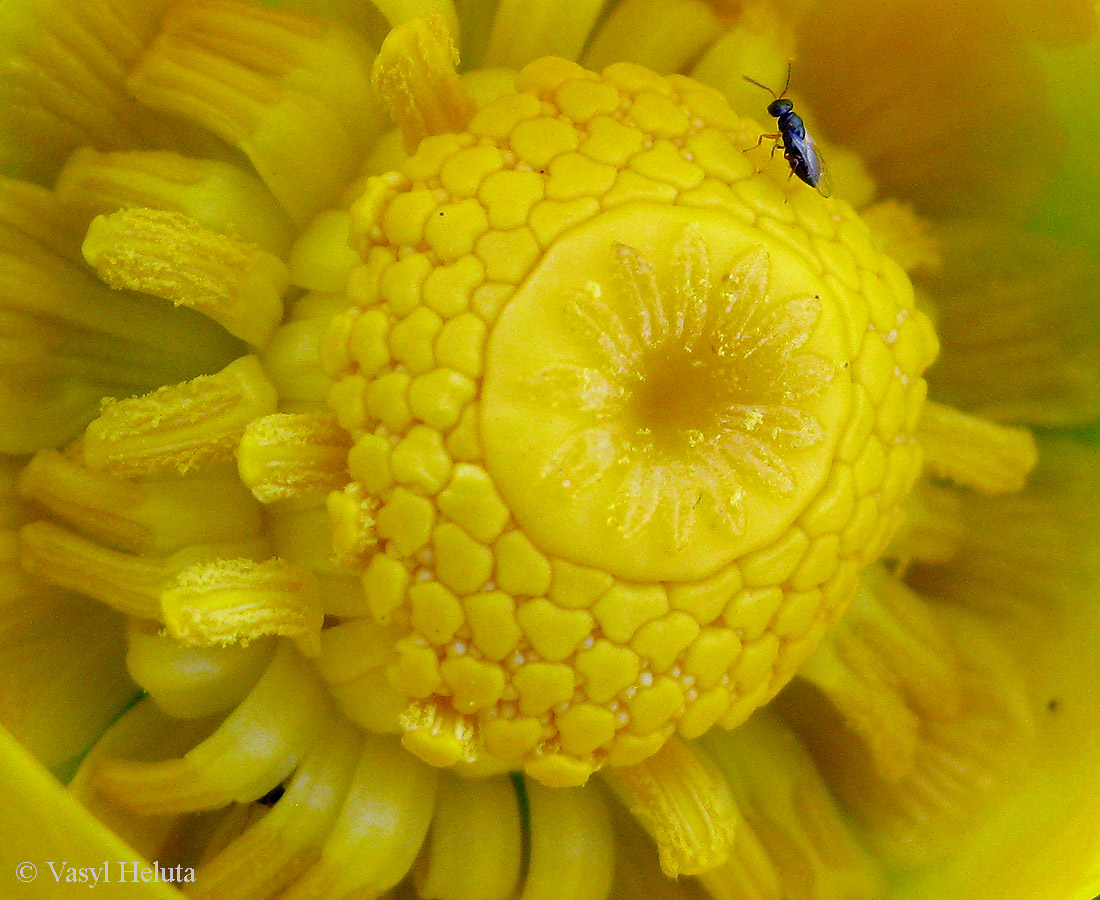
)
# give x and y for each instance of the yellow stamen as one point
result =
(150, 516)
(527, 29)
(886, 667)
(257, 746)
(1023, 344)
(68, 340)
(682, 800)
(974, 452)
(663, 35)
(435, 732)
(180, 427)
(235, 601)
(36, 213)
(62, 81)
(934, 526)
(794, 840)
(131, 584)
(452, 867)
(287, 455)
(415, 76)
(963, 761)
(169, 255)
(291, 91)
(218, 195)
(902, 235)
(272, 853)
(384, 820)
(571, 851)
(398, 12)
(190, 682)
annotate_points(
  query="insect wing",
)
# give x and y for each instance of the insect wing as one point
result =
(816, 173)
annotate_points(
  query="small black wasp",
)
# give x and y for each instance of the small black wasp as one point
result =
(798, 147)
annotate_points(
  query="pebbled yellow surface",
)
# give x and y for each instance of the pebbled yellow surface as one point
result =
(631, 416)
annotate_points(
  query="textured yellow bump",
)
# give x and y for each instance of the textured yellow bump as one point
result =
(386, 400)
(453, 229)
(463, 442)
(351, 523)
(665, 162)
(424, 165)
(557, 770)
(403, 218)
(574, 175)
(474, 684)
(414, 74)
(610, 141)
(974, 452)
(448, 290)
(775, 564)
(751, 609)
(416, 670)
(406, 520)
(286, 455)
(437, 734)
(171, 256)
(400, 283)
(385, 582)
(463, 173)
(520, 568)
(182, 426)
(537, 141)
(553, 633)
(435, 612)
(512, 739)
(703, 713)
(656, 704)
(492, 620)
(607, 669)
(711, 654)
(438, 397)
(237, 601)
(626, 607)
(542, 686)
(584, 728)
(460, 562)
(368, 341)
(631, 187)
(420, 460)
(819, 563)
(577, 587)
(629, 749)
(411, 340)
(756, 662)
(471, 500)
(550, 218)
(662, 641)
(349, 399)
(460, 344)
(705, 600)
(801, 608)
(509, 197)
(508, 255)
(583, 100)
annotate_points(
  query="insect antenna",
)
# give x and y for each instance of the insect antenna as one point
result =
(786, 84)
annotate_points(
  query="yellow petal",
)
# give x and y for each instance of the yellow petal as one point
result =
(42, 821)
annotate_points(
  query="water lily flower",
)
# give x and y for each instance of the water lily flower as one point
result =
(452, 449)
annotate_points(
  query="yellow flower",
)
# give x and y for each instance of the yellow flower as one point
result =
(508, 477)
